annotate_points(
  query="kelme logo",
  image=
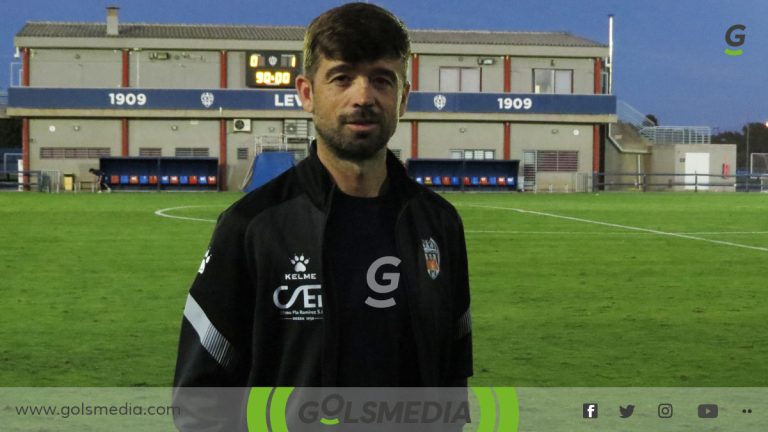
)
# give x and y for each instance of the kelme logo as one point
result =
(735, 37)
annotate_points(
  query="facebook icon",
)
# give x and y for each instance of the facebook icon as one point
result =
(589, 410)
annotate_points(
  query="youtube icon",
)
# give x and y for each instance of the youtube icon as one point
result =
(708, 411)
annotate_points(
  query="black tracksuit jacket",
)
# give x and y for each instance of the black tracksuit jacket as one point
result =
(262, 312)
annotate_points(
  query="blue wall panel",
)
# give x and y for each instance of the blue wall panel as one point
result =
(212, 100)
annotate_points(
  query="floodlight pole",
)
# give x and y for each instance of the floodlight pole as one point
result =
(610, 54)
(749, 159)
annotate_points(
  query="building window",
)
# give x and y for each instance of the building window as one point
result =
(473, 154)
(555, 81)
(557, 161)
(74, 152)
(456, 79)
(150, 151)
(191, 151)
(242, 153)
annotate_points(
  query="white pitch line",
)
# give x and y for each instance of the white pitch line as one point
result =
(536, 232)
(162, 212)
(628, 227)
(611, 233)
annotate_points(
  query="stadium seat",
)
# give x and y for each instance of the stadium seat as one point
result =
(502, 181)
(174, 180)
(165, 180)
(419, 180)
(114, 179)
(133, 180)
(446, 181)
(153, 180)
(143, 180)
(193, 180)
(428, 181)
(467, 181)
(493, 181)
(455, 181)
(475, 181)
(211, 180)
(483, 181)
(184, 180)
(511, 181)
(123, 179)
(203, 180)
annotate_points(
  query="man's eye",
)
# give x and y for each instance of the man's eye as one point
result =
(382, 81)
(341, 79)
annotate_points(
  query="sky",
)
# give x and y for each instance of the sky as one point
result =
(668, 61)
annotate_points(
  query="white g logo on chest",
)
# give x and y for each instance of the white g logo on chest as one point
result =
(391, 282)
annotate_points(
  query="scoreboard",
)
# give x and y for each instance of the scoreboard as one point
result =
(272, 69)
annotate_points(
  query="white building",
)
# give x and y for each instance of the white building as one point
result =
(129, 90)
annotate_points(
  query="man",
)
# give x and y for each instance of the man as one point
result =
(342, 271)
(100, 179)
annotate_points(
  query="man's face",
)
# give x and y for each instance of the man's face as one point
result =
(356, 106)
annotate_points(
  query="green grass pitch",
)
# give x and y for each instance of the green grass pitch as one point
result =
(577, 290)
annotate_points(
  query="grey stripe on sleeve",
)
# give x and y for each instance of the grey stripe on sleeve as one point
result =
(210, 338)
(464, 325)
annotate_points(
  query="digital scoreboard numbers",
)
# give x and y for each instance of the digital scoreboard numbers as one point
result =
(271, 69)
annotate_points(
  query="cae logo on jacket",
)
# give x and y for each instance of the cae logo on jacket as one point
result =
(303, 302)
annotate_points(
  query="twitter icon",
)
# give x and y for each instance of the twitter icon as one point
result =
(626, 412)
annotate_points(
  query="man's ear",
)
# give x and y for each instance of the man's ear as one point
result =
(404, 98)
(304, 88)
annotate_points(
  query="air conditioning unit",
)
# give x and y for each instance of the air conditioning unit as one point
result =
(295, 127)
(241, 125)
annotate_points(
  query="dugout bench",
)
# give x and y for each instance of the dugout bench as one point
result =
(466, 174)
(161, 173)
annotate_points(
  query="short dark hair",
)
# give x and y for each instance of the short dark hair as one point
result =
(355, 33)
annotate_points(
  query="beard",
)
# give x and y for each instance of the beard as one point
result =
(356, 146)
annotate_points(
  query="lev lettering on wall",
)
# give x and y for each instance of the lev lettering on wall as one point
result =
(22, 98)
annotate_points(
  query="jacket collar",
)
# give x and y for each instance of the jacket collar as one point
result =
(318, 183)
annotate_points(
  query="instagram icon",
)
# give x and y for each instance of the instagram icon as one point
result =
(665, 410)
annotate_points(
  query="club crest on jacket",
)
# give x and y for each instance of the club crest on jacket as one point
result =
(432, 257)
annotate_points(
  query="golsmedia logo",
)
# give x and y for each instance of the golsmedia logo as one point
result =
(735, 38)
(297, 409)
(335, 409)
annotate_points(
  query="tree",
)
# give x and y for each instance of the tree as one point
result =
(758, 142)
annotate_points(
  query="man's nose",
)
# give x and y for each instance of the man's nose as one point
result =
(362, 92)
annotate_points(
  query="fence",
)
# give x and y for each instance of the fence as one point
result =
(296, 145)
(678, 134)
(50, 181)
(40, 181)
(653, 182)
